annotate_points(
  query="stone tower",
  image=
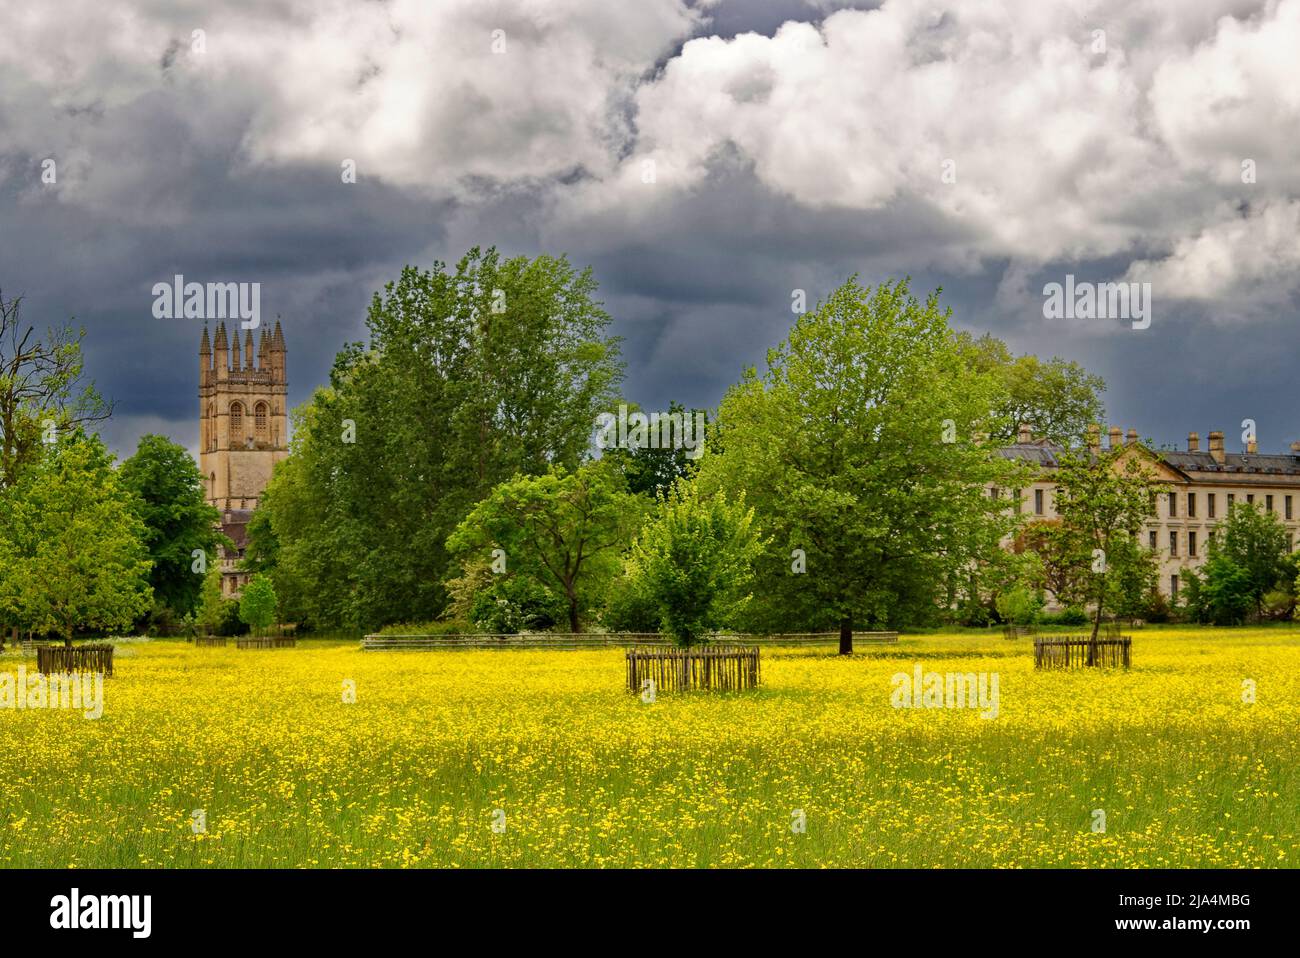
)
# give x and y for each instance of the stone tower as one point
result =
(243, 428)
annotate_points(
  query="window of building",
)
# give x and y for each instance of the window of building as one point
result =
(1151, 540)
(1038, 501)
(1191, 544)
(1250, 498)
(259, 420)
(1191, 505)
(236, 418)
(1268, 503)
(1286, 504)
(1232, 497)
(1173, 587)
(1209, 504)
(1173, 504)
(1173, 543)
(995, 493)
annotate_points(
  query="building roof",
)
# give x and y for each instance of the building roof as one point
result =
(1044, 453)
(1040, 452)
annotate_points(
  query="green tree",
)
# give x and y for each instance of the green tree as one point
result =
(567, 531)
(178, 521)
(76, 545)
(859, 450)
(1220, 593)
(43, 391)
(1058, 397)
(257, 604)
(1103, 498)
(1255, 542)
(1064, 558)
(470, 377)
(1132, 578)
(211, 611)
(695, 561)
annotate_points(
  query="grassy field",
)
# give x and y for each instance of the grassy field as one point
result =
(585, 774)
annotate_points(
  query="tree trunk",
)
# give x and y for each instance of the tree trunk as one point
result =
(1096, 623)
(846, 635)
(574, 624)
(68, 635)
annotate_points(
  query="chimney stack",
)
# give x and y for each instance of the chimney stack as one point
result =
(1116, 437)
(1216, 447)
(1193, 442)
(1131, 437)
(1094, 438)
(1026, 434)
(1252, 446)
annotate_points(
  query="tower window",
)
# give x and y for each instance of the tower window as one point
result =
(236, 418)
(259, 420)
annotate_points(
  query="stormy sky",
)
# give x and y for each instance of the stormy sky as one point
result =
(705, 158)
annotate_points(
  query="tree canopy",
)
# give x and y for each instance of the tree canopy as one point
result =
(860, 451)
(471, 376)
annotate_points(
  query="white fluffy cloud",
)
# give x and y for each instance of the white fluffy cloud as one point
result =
(1062, 151)
(441, 97)
(1065, 144)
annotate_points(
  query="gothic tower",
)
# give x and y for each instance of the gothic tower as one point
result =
(243, 427)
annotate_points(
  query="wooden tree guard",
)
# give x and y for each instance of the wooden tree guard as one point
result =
(1082, 651)
(97, 657)
(716, 668)
(265, 642)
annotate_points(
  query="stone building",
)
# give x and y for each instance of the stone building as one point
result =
(1197, 488)
(243, 430)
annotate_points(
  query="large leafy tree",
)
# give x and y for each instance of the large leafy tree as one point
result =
(565, 531)
(43, 390)
(1057, 397)
(76, 555)
(1103, 498)
(860, 451)
(178, 521)
(471, 376)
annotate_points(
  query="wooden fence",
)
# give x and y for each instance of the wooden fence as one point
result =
(591, 640)
(265, 642)
(718, 668)
(1081, 651)
(80, 658)
(212, 640)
